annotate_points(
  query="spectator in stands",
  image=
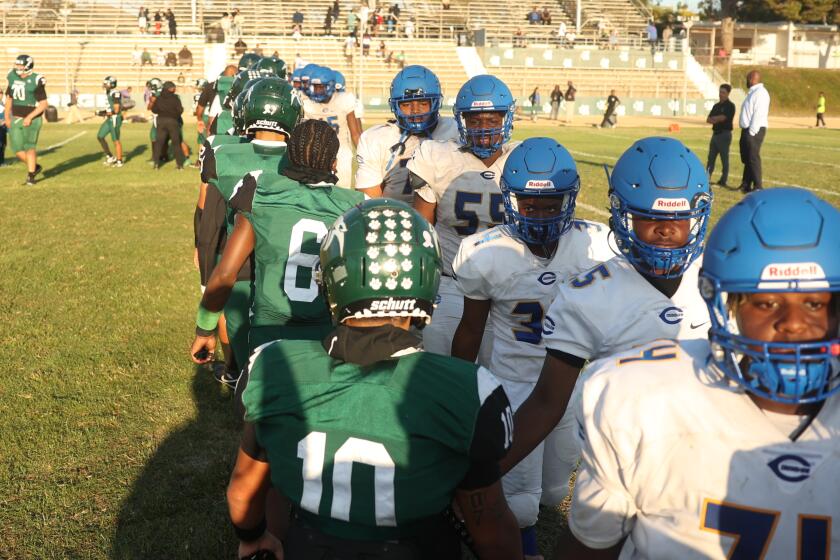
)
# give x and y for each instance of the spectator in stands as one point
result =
(142, 21)
(556, 100)
(445, 4)
(258, 50)
(652, 36)
(561, 33)
(352, 20)
(610, 118)
(168, 109)
(613, 42)
(536, 102)
(300, 62)
(395, 9)
(534, 16)
(381, 51)
(570, 39)
(328, 19)
(601, 29)
(160, 58)
(400, 58)
(569, 100)
(409, 29)
(336, 10)
(276, 54)
(173, 25)
(224, 23)
(667, 38)
(366, 40)
(518, 38)
(237, 23)
(389, 58)
(239, 47)
(171, 59)
(390, 23)
(721, 117)
(296, 34)
(181, 79)
(821, 110)
(145, 58)
(755, 111)
(136, 56)
(349, 47)
(185, 57)
(297, 18)
(158, 21)
(545, 17)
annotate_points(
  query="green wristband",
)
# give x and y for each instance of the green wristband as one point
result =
(207, 320)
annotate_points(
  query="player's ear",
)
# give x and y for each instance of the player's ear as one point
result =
(335, 165)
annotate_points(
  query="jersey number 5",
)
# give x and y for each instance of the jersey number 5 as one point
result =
(302, 262)
(333, 122)
(753, 528)
(312, 449)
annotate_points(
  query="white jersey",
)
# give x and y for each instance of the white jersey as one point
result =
(685, 463)
(496, 265)
(335, 113)
(382, 162)
(465, 190)
(612, 308)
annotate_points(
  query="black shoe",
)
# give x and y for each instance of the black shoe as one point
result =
(722, 184)
(30, 180)
(744, 188)
(226, 376)
(38, 169)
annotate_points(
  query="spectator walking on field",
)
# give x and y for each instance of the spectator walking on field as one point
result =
(569, 98)
(610, 118)
(534, 98)
(821, 110)
(556, 101)
(721, 117)
(73, 114)
(755, 111)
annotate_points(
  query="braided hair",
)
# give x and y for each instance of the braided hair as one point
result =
(313, 145)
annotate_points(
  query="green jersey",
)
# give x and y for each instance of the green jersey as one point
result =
(223, 123)
(374, 452)
(290, 220)
(214, 141)
(25, 92)
(115, 100)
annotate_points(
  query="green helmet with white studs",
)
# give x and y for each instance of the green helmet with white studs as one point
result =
(381, 259)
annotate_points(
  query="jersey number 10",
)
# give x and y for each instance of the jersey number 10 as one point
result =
(312, 449)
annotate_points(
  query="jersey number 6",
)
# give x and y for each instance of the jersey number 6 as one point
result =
(299, 260)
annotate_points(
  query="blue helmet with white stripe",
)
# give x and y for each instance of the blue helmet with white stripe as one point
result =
(540, 167)
(416, 83)
(321, 76)
(295, 78)
(775, 240)
(484, 93)
(340, 81)
(659, 178)
(305, 75)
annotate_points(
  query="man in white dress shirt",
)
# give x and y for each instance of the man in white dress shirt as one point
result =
(753, 122)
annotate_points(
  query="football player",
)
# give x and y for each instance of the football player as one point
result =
(295, 79)
(155, 87)
(660, 206)
(509, 274)
(202, 119)
(390, 433)
(112, 124)
(385, 150)
(26, 100)
(281, 219)
(728, 450)
(212, 95)
(269, 114)
(456, 187)
(338, 110)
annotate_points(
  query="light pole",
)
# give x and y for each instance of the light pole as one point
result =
(65, 15)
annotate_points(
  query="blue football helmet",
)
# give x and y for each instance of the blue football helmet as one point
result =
(321, 75)
(416, 83)
(659, 179)
(304, 77)
(340, 82)
(540, 167)
(295, 78)
(776, 240)
(484, 93)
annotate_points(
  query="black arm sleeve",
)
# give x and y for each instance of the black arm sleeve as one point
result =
(40, 90)
(491, 440)
(196, 223)
(213, 125)
(568, 359)
(208, 163)
(211, 230)
(416, 181)
(244, 195)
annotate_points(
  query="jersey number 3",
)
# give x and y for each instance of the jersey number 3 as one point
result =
(312, 449)
(753, 529)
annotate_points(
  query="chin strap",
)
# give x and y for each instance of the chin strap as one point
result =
(398, 147)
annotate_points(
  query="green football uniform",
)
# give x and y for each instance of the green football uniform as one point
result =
(224, 120)
(374, 452)
(222, 168)
(25, 93)
(113, 122)
(289, 219)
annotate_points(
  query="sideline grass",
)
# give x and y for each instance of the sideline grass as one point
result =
(114, 445)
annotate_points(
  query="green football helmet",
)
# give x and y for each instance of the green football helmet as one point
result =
(271, 104)
(270, 66)
(380, 259)
(237, 112)
(247, 60)
(109, 82)
(237, 87)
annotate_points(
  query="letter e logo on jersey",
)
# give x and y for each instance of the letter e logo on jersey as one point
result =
(671, 315)
(790, 468)
(548, 326)
(489, 175)
(547, 278)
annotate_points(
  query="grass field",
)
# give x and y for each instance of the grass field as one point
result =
(114, 445)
